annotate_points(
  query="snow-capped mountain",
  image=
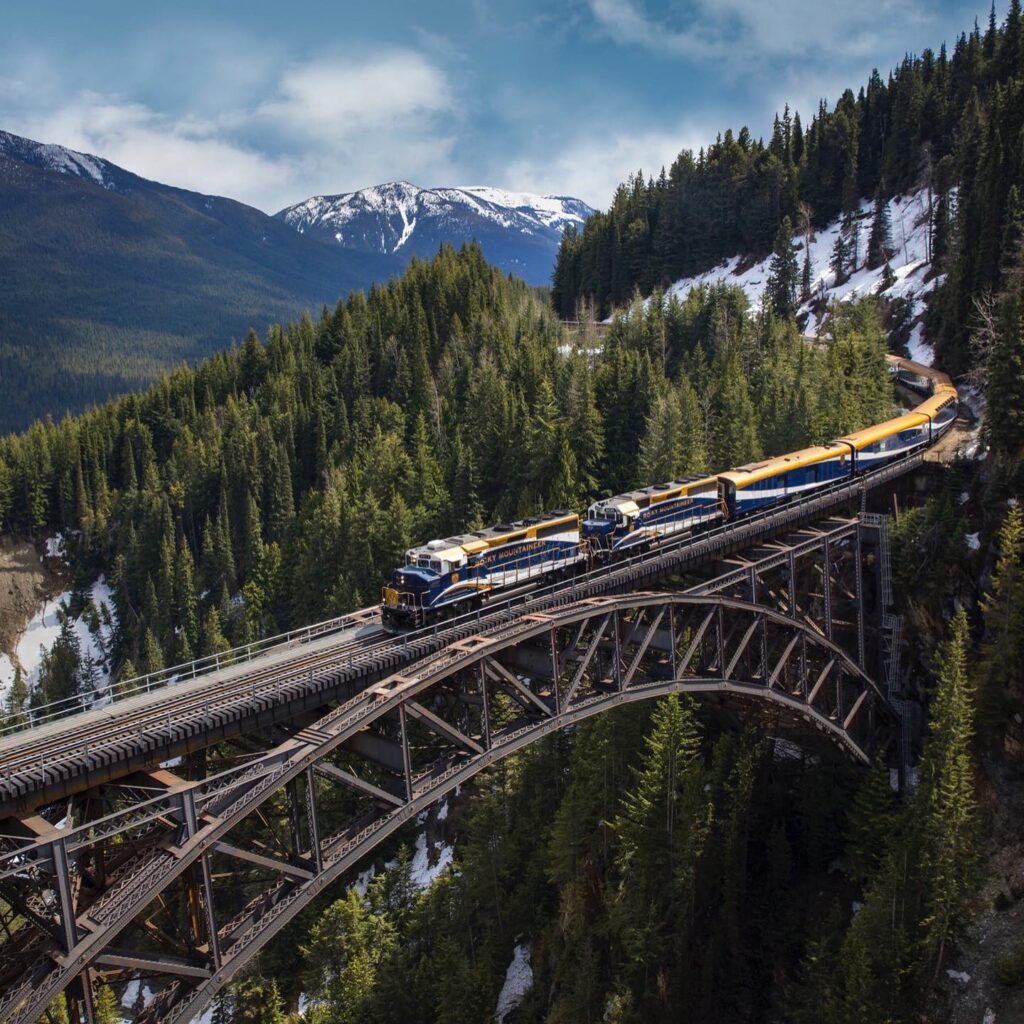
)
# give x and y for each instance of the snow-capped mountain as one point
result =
(49, 157)
(518, 231)
(106, 277)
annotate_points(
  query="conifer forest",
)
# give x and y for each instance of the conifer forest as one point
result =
(652, 863)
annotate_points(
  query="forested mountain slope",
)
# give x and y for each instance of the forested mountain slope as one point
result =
(948, 122)
(109, 278)
(653, 864)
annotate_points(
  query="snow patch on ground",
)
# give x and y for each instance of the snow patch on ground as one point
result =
(131, 994)
(55, 547)
(909, 217)
(962, 977)
(518, 982)
(362, 882)
(422, 873)
(43, 630)
(973, 542)
(6, 675)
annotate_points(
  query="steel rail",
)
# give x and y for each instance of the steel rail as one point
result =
(170, 723)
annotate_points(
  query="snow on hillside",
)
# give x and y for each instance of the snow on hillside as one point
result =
(54, 158)
(909, 216)
(391, 212)
(42, 632)
(518, 982)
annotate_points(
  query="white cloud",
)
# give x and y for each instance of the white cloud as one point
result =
(591, 165)
(181, 152)
(331, 125)
(628, 23)
(340, 98)
(747, 34)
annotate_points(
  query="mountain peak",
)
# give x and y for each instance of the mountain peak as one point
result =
(520, 231)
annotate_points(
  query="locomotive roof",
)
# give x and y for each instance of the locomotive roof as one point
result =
(645, 493)
(744, 476)
(471, 543)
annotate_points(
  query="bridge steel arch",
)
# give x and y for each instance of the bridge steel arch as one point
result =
(134, 893)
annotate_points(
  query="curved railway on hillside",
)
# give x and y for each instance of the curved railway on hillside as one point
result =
(95, 834)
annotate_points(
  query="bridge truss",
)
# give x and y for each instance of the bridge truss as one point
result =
(181, 875)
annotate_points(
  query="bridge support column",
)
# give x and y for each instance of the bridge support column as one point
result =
(188, 808)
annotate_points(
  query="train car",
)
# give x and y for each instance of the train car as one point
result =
(647, 516)
(922, 426)
(451, 576)
(877, 445)
(758, 484)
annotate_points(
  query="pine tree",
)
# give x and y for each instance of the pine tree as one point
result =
(107, 1009)
(781, 287)
(871, 823)
(880, 248)
(661, 450)
(430, 496)
(946, 790)
(346, 948)
(662, 828)
(187, 620)
(258, 1002)
(1001, 668)
(839, 260)
(735, 435)
(1005, 392)
(152, 656)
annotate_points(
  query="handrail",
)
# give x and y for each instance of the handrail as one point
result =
(113, 692)
(824, 497)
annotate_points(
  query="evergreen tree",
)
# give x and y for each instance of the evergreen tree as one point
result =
(871, 822)
(781, 287)
(839, 260)
(880, 248)
(258, 1002)
(152, 656)
(213, 640)
(107, 1009)
(947, 793)
(661, 829)
(187, 619)
(735, 439)
(1005, 392)
(347, 947)
(1001, 669)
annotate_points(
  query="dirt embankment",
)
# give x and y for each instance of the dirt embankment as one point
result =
(25, 582)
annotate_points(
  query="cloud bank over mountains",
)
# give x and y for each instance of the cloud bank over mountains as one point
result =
(287, 102)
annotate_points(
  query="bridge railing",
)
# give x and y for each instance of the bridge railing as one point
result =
(103, 696)
(575, 588)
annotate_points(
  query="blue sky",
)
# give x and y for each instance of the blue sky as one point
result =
(271, 102)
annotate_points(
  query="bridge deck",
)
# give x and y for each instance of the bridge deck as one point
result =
(75, 753)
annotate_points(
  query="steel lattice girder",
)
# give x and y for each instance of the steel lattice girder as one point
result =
(450, 717)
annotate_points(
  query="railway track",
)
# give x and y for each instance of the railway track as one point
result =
(71, 754)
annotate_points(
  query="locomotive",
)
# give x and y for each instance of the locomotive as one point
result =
(459, 574)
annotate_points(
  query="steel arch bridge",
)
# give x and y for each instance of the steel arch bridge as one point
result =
(290, 768)
(146, 890)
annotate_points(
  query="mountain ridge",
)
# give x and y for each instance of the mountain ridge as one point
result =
(111, 278)
(519, 231)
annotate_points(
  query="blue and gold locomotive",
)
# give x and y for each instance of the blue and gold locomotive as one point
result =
(447, 577)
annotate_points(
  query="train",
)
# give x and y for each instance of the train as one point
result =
(458, 574)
